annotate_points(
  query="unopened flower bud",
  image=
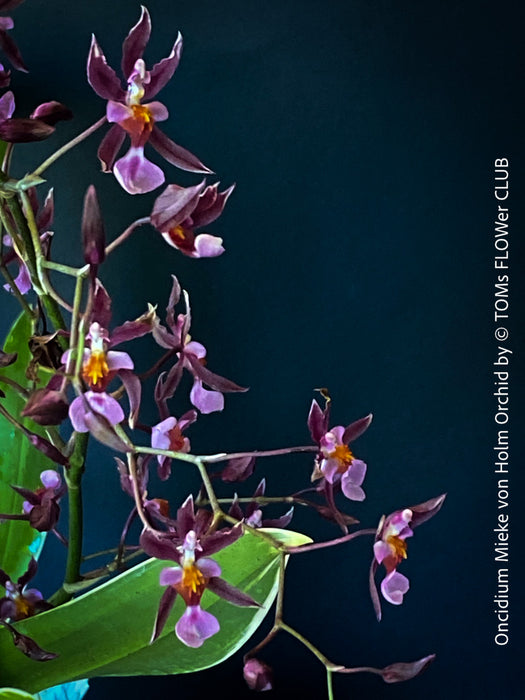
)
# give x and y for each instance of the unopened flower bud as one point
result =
(46, 407)
(93, 235)
(258, 675)
(52, 112)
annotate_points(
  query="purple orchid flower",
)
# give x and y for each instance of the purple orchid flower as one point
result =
(193, 574)
(390, 548)
(179, 210)
(134, 172)
(253, 515)
(21, 602)
(258, 675)
(191, 356)
(335, 461)
(167, 435)
(41, 505)
(7, 44)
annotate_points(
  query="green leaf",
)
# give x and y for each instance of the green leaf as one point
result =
(14, 694)
(106, 632)
(20, 462)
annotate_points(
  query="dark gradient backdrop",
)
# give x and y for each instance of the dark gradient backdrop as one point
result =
(361, 136)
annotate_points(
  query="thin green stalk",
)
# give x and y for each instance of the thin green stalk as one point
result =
(329, 684)
(74, 485)
(315, 651)
(68, 146)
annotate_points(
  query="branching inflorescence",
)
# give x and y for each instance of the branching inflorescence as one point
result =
(78, 385)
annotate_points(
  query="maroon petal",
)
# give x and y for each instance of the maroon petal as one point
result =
(424, 511)
(281, 522)
(405, 671)
(110, 146)
(133, 390)
(374, 595)
(158, 547)
(173, 301)
(357, 428)
(101, 77)
(135, 42)
(24, 130)
(103, 431)
(162, 71)
(238, 469)
(212, 380)
(219, 540)
(169, 387)
(133, 329)
(101, 305)
(175, 154)
(44, 517)
(29, 574)
(46, 448)
(175, 205)
(317, 423)
(28, 646)
(52, 112)
(27, 494)
(186, 517)
(165, 606)
(12, 52)
(46, 407)
(235, 509)
(203, 216)
(233, 595)
(45, 216)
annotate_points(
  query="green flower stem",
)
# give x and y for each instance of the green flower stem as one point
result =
(41, 272)
(68, 146)
(66, 269)
(73, 477)
(223, 456)
(49, 303)
(329, 685)
(182, 456)
(331, 543)
(126, 234)
(217, 511)
(315, 651)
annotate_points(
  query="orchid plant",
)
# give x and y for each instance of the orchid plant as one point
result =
(209, 568)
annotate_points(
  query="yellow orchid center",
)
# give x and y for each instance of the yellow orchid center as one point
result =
(142, 113)
(95, 368)
(23, 607)
(398, 545)
(343, 455)
(193, 579)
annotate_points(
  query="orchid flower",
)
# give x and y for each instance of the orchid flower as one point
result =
(21, 602)
(335, 462)
(179, 210)
(193, 573)
(129, 115)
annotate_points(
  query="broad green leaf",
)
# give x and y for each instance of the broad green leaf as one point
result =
(106, 632)
(20, 462)
(14, 694)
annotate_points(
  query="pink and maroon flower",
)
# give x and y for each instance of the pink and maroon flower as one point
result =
(168, 435)
(390, 549)
(178, 211)
(126, 110)
(41, 506)
(335, 462)
(19, 601)
(193, 573)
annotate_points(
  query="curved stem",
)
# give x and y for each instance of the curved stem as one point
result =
(223, 456)
(68, 146)
(127, 233)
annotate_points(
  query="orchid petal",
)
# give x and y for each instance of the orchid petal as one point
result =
(195, 626)
(162, 71)
(101, 77)
(207, 246)
(135, 42)
(206, 401)
(175, 154)
(110, 146)
(136, 174)
(394, 586)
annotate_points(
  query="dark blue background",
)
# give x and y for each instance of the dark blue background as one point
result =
(359, 257)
